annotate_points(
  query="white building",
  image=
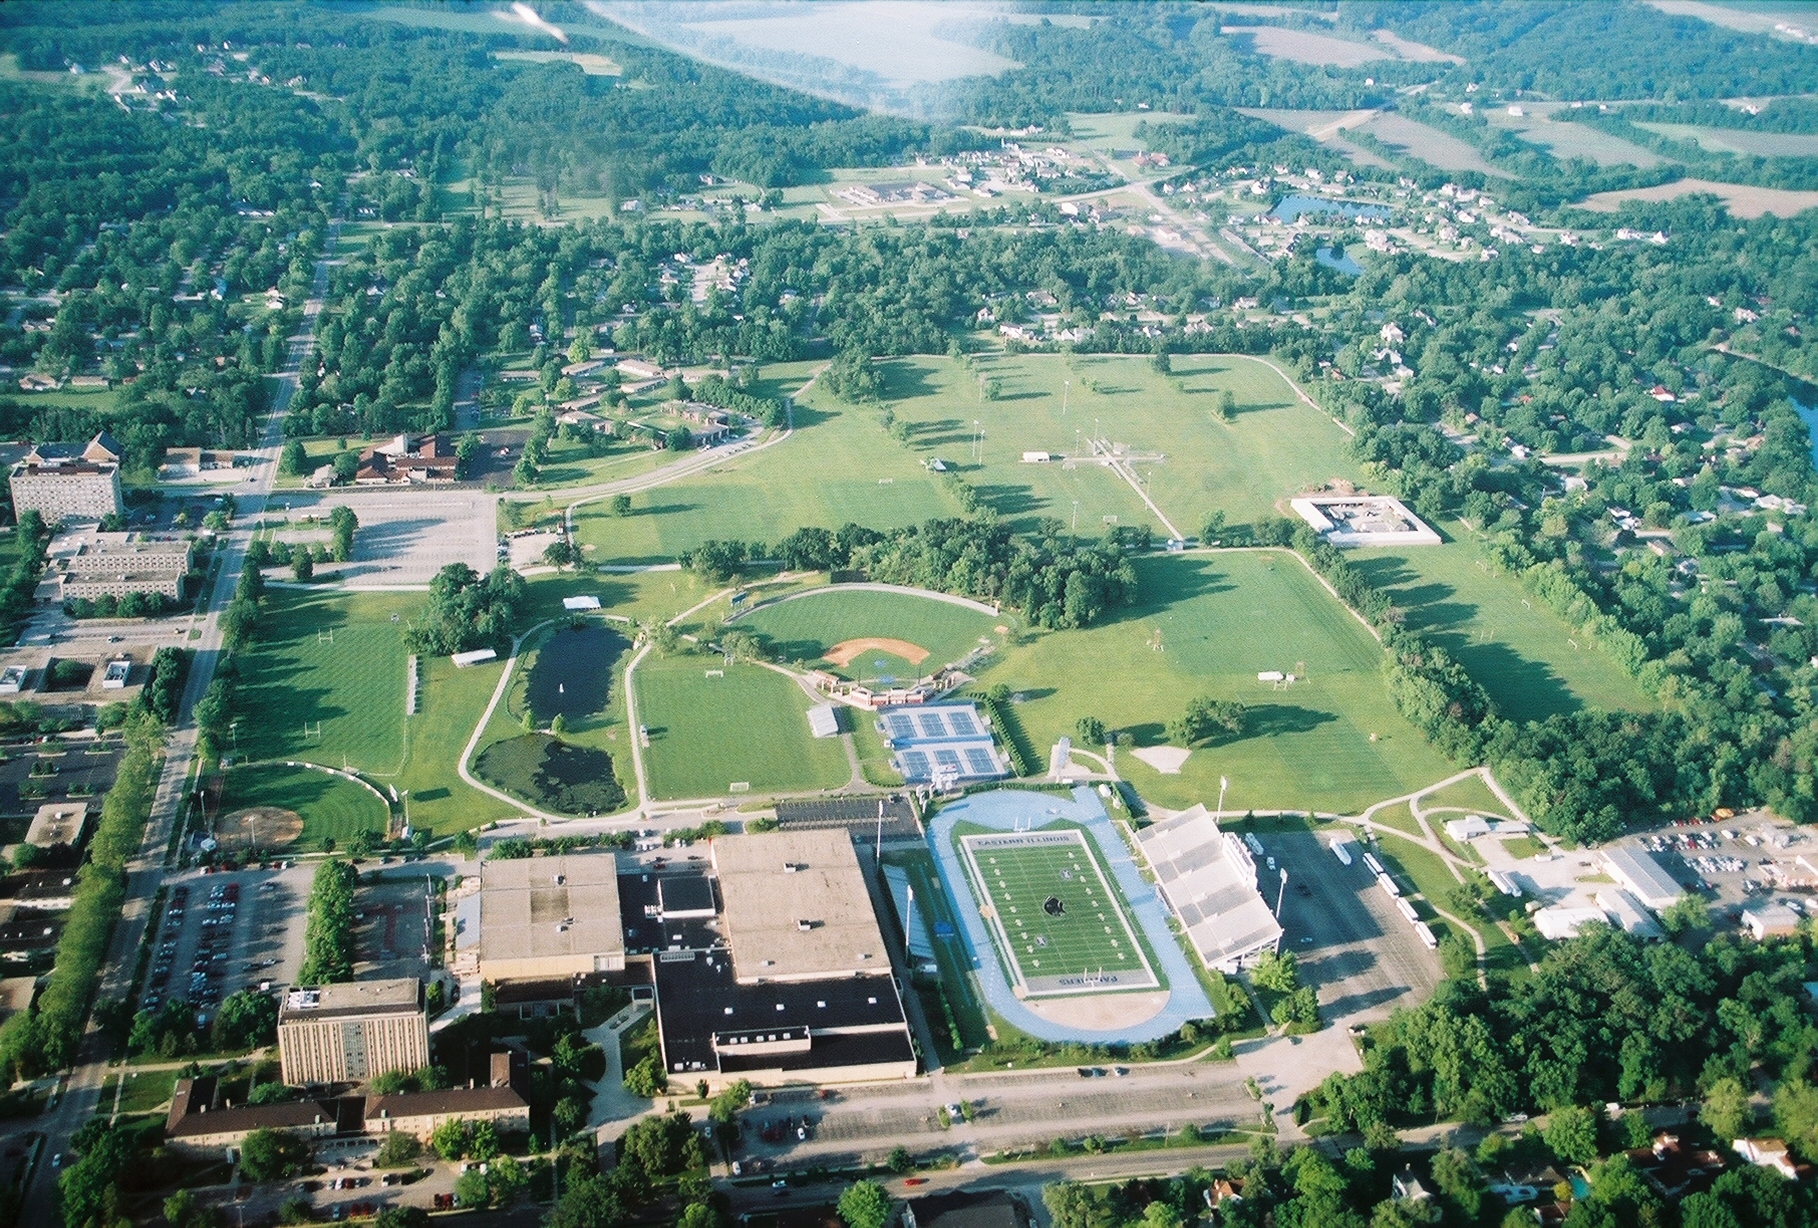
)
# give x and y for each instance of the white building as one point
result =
(1208, 879)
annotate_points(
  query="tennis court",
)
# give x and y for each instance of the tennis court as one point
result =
(1057, 922)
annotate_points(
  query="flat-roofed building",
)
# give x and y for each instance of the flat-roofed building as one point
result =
(352, 1032)
(1208, 878)
(1642, 876)
(547, 917)
(797, 907)
(57, 823)
(88, 563)
(72, 489)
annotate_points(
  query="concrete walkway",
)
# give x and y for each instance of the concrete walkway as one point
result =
(614, 1108)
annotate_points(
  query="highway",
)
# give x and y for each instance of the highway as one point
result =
(145, 873)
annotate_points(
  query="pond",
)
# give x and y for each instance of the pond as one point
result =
(572, 674)
(1809, 415)
(1338, 259)
(1290, 208)
(561, 776)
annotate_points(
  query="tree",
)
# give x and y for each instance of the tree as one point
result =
(1091, 731)
(646, 1078)
(272, 1155)
(899, 1161)
(395, 1216)
(865, 1205)
(1726, 1109)
(449, 1140)
(1572, 1134)
(1204, 718)
(590, 1201)
(294, 459)
(621, 505)
(1796, 1116)
(1227, 405)
(342, 522)
(1276, 971)
(302, 566)
(246, 1020)
(184, 1210)
(727, 1104)
(1073, 1205)
(1213, 529)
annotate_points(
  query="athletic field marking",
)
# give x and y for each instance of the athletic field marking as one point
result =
(846, 651)
(1059, 925)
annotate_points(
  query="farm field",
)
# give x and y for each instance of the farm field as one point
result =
(839, 467)
(353, 688)
(1569, 140)
(330, 806)
(1309, 46)
(1741, 200)
(806, 628)
(1430, 145)
(1275, 445)
(1521, 653)
(1322, 126)
(1332, 742)
(749, 725)
(1741, 140)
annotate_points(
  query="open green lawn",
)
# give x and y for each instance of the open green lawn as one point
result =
(805, 628)
(1332, 742)
(750, 725)
(331, 806)
(353, 687)
(838, 467)
(1511, 643)
(1274, 446)
(1471, 794)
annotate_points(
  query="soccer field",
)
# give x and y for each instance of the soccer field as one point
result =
(1057, 921)
(714, 725)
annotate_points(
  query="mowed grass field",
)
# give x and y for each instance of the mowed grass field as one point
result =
(1521, 653)
(336, 660)
(1089, 929)
(707, 733)
(331, 806)
(1332, 742)
(1275, 445)
(839, 467)
(353, 687)
(805, 628)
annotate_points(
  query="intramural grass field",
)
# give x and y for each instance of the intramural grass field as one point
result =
(709, 732)
(806, 628)
(838, 467)
(337, 663)
(1511, 643)
(333, 662)
(329, 805)
(1058, 923)
(1275, 444)
(1332, 741)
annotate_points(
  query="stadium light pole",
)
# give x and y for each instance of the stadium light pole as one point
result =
(1066, 387)
(1279, 893)
(1223, 784)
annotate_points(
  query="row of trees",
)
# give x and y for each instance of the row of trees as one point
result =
(329, 925)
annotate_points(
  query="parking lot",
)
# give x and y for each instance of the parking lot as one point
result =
(1349, 942)
(225, 932)
(393, 938)
(405, 536)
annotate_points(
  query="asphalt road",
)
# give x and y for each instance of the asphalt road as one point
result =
(145, 873)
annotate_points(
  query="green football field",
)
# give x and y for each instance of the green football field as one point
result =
(805, 628)
(714, 725)
(1054, 916)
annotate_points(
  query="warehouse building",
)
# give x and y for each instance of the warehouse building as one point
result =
(1640, 873)
(351, 1033)
(544, 918)
(791, 982)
